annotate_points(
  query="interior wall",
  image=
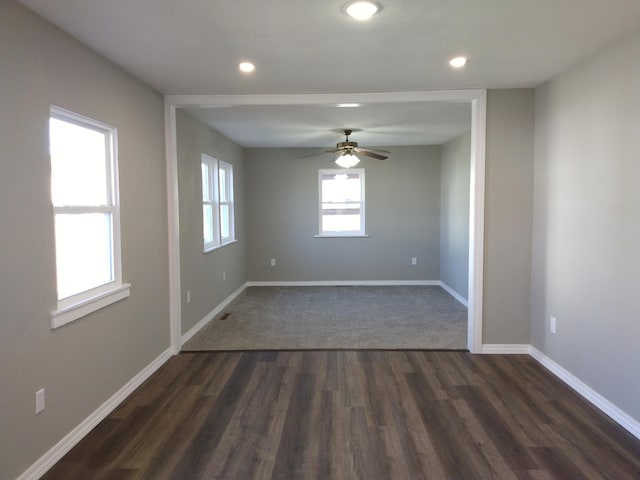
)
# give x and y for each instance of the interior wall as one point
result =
(202, 273)
(84, 363)
(586, 260)
(454, 215)
(402, 218)
(508, 216)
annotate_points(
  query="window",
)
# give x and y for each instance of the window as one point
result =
(217, 203)
(84, 193)
(341, 202)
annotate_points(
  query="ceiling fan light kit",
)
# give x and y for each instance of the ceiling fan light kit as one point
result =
(347, 160)
(347, 152)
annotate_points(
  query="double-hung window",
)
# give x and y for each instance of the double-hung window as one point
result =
(84, 193)
(217, 203)
(341, 202)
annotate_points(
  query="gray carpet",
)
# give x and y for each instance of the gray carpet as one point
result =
(280, 318)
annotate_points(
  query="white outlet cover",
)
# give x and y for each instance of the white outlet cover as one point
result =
(552, 324)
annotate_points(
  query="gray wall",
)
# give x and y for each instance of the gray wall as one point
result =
(454, 214)
(81, 364)
(202, 273)
(508, 216)
(402, 218)
(586, 255)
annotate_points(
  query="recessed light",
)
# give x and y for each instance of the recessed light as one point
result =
(246, 67)
(362, 10)
(458, 62)
(348, 105)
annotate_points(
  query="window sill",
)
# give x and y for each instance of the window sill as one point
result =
(78, 310)
(218, 247)
(338, 235)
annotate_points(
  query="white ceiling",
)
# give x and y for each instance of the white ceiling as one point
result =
(310, 46)
(424, 123)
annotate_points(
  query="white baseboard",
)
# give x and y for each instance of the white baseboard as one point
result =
(61, 448)
(504, 349)
(454, 294)
(344, 283)
(221, 306)
(623, 419)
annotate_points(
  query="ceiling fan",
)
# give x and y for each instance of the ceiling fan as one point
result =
(347, 151)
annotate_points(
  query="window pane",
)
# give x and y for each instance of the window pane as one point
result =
(79, 174)
(340, 188)
(223, 185)
(83, 252)
(341, 223)
(225, 228)
(207, 224)
(206, 193)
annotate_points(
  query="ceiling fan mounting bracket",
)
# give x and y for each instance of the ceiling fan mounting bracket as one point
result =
(347, 145)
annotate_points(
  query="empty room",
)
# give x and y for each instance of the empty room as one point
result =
(332, 240)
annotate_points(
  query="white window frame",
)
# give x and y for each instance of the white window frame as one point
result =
(342, 233)
(229, 202)
(83, 303)
(213, 181)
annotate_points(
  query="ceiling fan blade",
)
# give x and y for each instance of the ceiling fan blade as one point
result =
(335, 150)
(377, 150)
(313, 154)
(367, 153)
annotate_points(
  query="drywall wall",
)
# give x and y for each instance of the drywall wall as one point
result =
(454, 214)
(586, 260)
(213, 276)
(402, 218)
(84, 363)
(508, 216)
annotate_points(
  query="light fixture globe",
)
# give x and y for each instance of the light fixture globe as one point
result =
(246, 67)
(347, 160)
(362, 10)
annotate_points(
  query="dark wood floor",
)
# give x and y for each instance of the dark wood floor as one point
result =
(353, 415)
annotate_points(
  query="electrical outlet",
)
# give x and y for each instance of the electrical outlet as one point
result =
(39, 401)
(224, 276)
(188, 296)
(552, 324)
(273, 262)
(414, 260)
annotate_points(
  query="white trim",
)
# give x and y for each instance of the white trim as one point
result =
(221, 306)
(361, 203)
(476, 221)
(454, 294)
(173, 217)
(342, 283)
(218, 247)
(506, 349)
(83, 302)
(622, 418)
(477, 99)
(206, 101)
(60, 449)
(72, 312)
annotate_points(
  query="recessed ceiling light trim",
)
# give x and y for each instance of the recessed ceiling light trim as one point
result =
(246, 67)
(362, 10)
(458, 62)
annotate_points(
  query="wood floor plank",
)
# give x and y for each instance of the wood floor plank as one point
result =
(353, 415)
